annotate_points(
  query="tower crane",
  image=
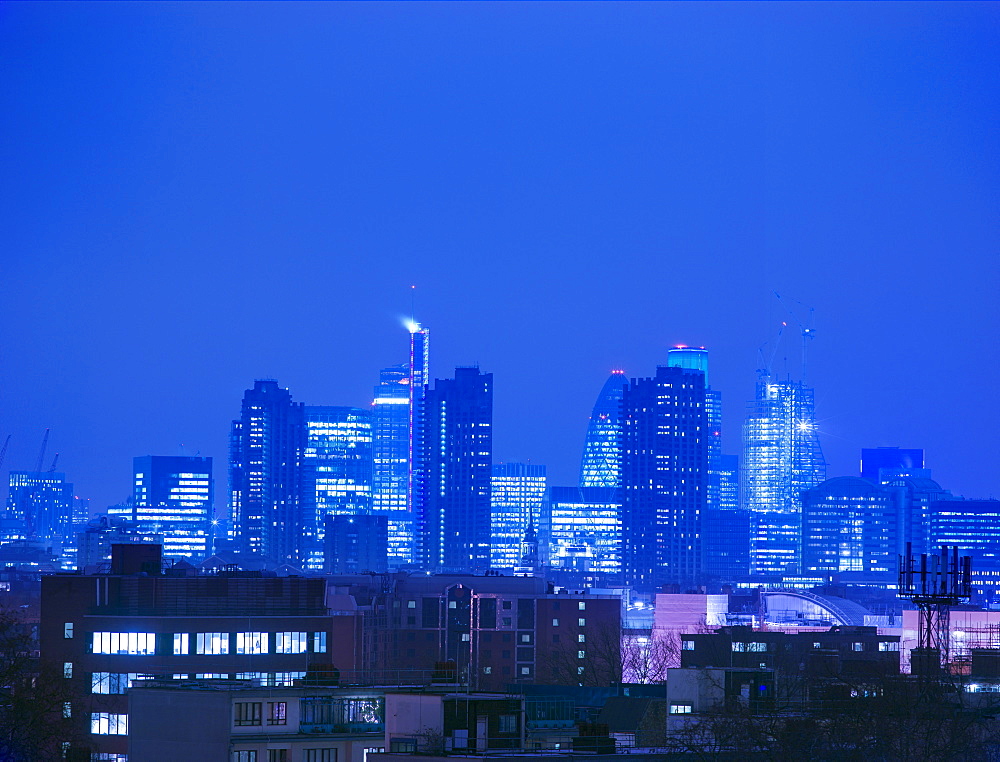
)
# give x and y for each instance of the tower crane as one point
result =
(806, 329)
(3, 451)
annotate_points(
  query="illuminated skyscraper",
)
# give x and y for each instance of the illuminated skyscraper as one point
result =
(581, 529)
(397, 448)
(601, 464)
(781, 458)
(265, 473)
(40, 503)
(337, 471)
(664, 474)
(391, 439)
(517, 491)
(457, 465)
(173, 497)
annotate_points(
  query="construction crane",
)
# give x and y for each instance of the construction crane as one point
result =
(41, 453)
(3, 451)
(806, 329)
(55, 460)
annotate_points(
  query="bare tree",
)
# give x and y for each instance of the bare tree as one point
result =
(35, 703)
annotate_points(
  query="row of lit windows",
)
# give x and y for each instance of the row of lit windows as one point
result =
(144, 643)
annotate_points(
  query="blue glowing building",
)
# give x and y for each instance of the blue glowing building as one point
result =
(781, 458)
(601, 463)
(173, 497)
(39, 505)
(336, 472)
(517, 491)
(454, 482)
(266, 446)
(664, 475)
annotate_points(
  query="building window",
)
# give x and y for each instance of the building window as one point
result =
(411, 604)
(687, 645)
(525, 670)
(212, 643)
(739, 647)
(251, 643)
(466, 637)
(555, 622)
(757, 647)
(579, 670)
(246, 713)
(487, 670)
(67, 709)
(885, 645)
(276, 713)
(244, 756)
(277, 755)
(680, 708)
(68, 630)
(506, 621)
(817, 645)
(857, 646)
(114, 682)
(507, 723)
(127, 643)
(583, 605)
(581, 622)
(181, 645)
(321, 755)
(581, 638)
(67, 669)
(107, 724)
(581, 654)
(319, 642)
(525, 638)
(212, 676)
(102, 756)
(290, 642)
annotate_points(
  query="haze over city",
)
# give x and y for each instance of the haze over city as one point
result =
(197, 195)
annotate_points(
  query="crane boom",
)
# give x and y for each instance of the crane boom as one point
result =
(41, 453)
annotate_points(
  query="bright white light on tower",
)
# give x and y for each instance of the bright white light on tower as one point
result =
(411, 325)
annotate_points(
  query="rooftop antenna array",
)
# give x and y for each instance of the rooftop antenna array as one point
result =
(934, 583)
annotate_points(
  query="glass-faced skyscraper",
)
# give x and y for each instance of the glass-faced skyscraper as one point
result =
(517, 491)
(396, 432)
(337, 471)
(601, 464)
(265, 473)
(781, 458)
(41, 503)
(664, 473)
(456, 472)
(173, 496)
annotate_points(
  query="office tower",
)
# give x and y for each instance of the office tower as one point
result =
(172, 496)
(265, 473)
(913, 497)
(849, 525)
(396, 431)
(725, 528)
(516, 494)
(601, 463)
(356, 544)
(336, 472)
(581, 531)
(900, 462)
(391, 439)
(664, 475)
(457, 464)
(781, 458)
(40, 503)
(971, 525)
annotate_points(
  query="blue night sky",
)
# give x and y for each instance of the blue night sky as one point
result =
(195, 195)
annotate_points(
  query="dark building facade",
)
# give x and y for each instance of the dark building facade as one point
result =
(456, 469)
(104, 632)
(484, 632)
(356, 544)
(265, 474)
(664, 477)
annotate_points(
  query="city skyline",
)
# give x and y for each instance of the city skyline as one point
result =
(233, 193)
